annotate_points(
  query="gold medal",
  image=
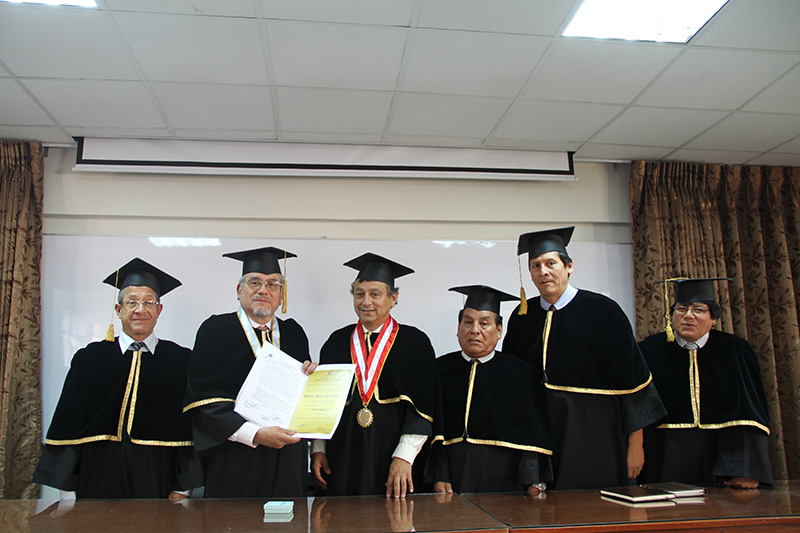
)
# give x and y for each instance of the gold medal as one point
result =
(364, 417)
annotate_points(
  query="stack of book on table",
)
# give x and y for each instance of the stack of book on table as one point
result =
(654, 494)
(278, 511)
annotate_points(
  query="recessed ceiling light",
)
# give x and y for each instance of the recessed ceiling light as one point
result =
(79, 3)
(671, 21)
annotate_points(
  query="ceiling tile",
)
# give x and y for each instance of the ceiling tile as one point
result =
(428, 140)
(335, 55)
(194, 106)
(647, 126)
(317, 137)
(228, 8)
(613, 151)
(69, 43)
(776, 160)
(753, 24)
(712, 156)
(188, 48)
(440, 115)
(394, 13)
(554, 121)
(591, 70)
(321, 110)
(121, 132)
(226, 135)
(17, 107)
(97, 103)
(533, 17)
(781, 97)
(472, 63)
(712, 79)
(45, 134)
(533, 144)
(749, 132)
(791, 147)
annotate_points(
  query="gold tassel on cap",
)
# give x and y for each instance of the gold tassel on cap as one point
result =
(285, 304)
(668, 326)
(110, 331)
(523, 299)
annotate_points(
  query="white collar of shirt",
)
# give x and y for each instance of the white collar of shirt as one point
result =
(149, 343)
(484, 359)
(255, 324)
(692, 345)
(562, 302)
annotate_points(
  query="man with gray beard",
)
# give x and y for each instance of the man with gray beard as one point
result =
(243, 459)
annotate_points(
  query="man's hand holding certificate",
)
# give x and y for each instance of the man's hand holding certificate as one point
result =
(277, 393)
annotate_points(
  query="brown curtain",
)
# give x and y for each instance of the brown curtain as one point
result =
(741, 222)
(21, 191)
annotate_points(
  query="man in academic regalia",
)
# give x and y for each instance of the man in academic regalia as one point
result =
(244, 460)
(709, 380)
(597, 386)
(118, 430)
(492, 436)
(388, 416)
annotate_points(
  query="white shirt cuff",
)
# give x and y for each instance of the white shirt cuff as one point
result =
(245, 434)
(409, 447)
(318, 446)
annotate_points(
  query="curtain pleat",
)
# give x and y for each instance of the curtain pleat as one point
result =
(21, 206)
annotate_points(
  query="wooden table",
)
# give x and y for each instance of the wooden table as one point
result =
(774, 509)
(355, 514)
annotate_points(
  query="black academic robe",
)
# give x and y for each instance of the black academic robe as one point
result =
(596, 385)
(118, 430)
(403, 403)
(221, 360)
(730, 436)
(492, 436)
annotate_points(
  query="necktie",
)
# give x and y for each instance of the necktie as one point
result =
(136, 346)
(369, 341)
(265, 333)
(552, 307)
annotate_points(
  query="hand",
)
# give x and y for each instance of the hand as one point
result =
(741, 482)
(319, 520)
(309, 367)
(635, 454)
(401, 514)
(399, 481)
(443, 486)
(176, 496)
(319, 464)
(275, 437)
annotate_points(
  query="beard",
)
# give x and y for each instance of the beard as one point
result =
(261, 312)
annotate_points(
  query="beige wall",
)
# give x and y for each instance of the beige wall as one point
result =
(90, 203)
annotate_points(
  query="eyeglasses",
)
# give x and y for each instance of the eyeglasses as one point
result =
(271, 284)
(133, 305)
(695, 309)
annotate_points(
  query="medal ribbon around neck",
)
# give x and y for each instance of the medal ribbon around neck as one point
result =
(250, 333)
(368, 369)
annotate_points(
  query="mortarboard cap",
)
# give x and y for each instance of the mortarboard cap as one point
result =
(141, 273)
(539, 242)
(372, 267)
(483, 298)
(261, 260)
(696, 290)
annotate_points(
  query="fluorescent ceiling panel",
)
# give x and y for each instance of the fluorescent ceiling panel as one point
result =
(79, 3)
(671, 21)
